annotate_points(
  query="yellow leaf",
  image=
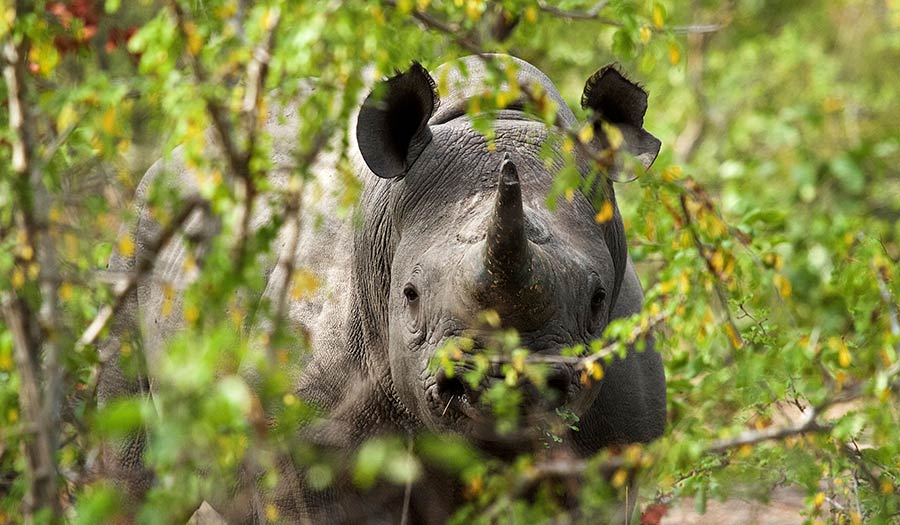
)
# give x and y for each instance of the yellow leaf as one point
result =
(65, 292)
(745, 451)
(194, 42)
(613, 135)
(645, 34)
(6, 362)
(422, 5)
(492, 318)
(191, 314)
(271, 512)
(887, 487)
(475, 486)
(666, 286)
(782, 284)
(474, 9)
(305, 284)
(168, 300)
(620, 478)
(289, 399)
(108, 121)
(605, 214)
(596, 371)
(502, 99)
(586, 133)
(126, 246)
(518, 361)
(33, 271)
(45, 56)
(475, 106)
(819, 499)
(733, 336)
(378, 15)
(717, 261)
(12, 415)
(531, 14)
(674, 54)
(404, 6)
(672, 173)
(67, 117)
(570, 194)
(658, 16)
(840, 379)
(267, 22)
(568, 145)
(844, 356)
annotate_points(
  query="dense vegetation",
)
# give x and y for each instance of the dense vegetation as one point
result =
(767, 235)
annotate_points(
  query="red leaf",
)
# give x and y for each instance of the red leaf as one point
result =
(654, 513)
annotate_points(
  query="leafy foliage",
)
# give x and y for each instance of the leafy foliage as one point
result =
(767, 235)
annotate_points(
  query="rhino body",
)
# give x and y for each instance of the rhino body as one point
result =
(448, 225)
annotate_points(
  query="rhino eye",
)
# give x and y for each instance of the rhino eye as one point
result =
(411, 294)
(597, 302)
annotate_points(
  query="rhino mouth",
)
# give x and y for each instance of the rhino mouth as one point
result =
(453, 398)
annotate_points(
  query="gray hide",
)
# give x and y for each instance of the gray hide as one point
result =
(447, 228)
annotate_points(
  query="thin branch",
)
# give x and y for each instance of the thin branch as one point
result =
(807, 424)
(292, 211)
(881, 277)
(467, 41)
(591, 14)
(34, 335)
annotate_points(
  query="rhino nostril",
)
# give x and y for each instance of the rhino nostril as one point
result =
(558, 387)
(450, 386)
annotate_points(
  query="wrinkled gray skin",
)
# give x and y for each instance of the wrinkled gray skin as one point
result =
(448, 228)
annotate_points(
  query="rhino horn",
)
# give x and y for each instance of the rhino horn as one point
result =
(507, 255)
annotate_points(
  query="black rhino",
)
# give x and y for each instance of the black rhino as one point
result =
(448, 226)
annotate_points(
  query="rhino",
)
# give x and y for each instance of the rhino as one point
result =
(449, 224)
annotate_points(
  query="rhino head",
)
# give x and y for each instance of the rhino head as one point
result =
(455, 225)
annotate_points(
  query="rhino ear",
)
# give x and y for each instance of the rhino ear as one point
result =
(392, 128)
(615, 99)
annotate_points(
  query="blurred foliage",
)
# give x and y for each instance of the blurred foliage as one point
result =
(767, 235)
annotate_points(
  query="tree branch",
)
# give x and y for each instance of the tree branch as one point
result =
(34, 335)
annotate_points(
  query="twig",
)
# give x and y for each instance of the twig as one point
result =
(888, 300)
(594, 14)
(591, 14)
(407, 492)
(584, 361)
(720, 293)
